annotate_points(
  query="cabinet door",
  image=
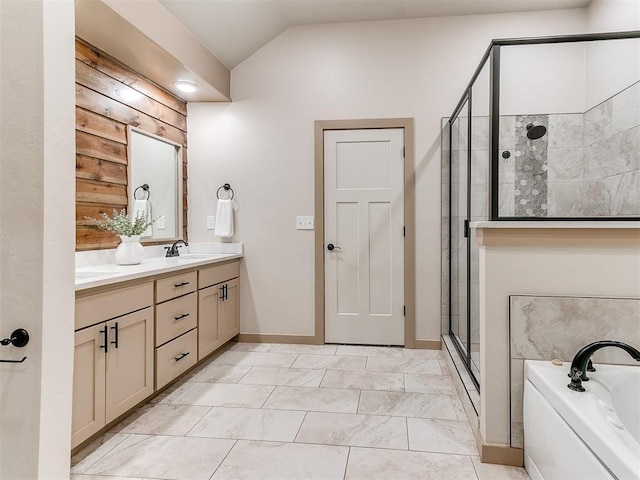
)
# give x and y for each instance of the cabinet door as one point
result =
(208, 301)
(129, 368)
(88, 414)
(229, 311)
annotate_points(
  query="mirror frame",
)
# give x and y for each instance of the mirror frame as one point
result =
(179, 180)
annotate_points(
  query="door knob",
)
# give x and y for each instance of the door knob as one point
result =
(331, 247)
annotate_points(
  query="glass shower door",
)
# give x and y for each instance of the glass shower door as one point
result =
(459, 291)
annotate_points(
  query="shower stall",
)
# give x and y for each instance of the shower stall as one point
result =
(548, 129)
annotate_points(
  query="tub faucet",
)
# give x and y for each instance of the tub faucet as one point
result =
(582, 361)
(172, 251)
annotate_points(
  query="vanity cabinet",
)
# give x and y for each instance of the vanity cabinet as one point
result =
(218, 306)
(113, 363)
(176, 326)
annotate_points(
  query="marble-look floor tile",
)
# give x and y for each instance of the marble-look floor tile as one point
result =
(313, 349)
(163, 457)
(335, 400)
(256, 359)
(354, 430)
(419, 405)
(363, 380)
(162, 419)
(442, 436)
(488, 471)
(422, 353)
(213, 373)
(436, 384)
(294, 377)
(283, 461)
(101, 477)
(252, 347)
(403, 365)
(378, 464)
(225, 395)
(330, 362)
(457, 406)
(95, 450)
(368, 351)
(249, 424)
(171, 393)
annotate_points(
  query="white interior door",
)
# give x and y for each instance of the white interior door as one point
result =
(364, 236)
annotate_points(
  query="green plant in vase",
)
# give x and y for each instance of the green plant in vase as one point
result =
(130, 251)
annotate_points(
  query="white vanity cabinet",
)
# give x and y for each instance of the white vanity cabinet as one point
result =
(176, 326)
(218, 306)
(113, 363)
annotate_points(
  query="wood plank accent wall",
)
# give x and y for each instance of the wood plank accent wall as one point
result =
(110, 96)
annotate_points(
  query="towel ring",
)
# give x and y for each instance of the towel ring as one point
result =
(144, 187)
(226, 187)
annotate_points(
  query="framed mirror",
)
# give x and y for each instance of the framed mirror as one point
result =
(155, 184)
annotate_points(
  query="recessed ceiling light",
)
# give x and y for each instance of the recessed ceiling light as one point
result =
(187, 87)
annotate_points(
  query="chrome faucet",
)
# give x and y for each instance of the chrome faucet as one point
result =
(582, 361)
(172, 251)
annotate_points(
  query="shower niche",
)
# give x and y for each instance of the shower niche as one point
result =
(548, 129)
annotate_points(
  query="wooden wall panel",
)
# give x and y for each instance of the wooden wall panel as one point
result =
(110, 96)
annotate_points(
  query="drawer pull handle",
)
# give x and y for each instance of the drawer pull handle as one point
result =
(181, 356)
(180, 317)
(181, 284)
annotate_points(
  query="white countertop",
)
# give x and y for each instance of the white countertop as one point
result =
(97, 268)
(559, 224)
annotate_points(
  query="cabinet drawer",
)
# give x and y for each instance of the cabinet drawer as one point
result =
(175, 317)
(171, 360)
(219, 273)
(174, 286)
(115, 303)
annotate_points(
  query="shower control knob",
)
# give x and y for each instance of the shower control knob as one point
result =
(506, 154)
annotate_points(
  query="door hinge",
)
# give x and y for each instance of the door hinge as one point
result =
(404, 310)
(404, 231)
(404, 152)
(466, 228)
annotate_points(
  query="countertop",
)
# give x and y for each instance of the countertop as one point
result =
(110, 273)
(600, 224)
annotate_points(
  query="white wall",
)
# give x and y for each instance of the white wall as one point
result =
(614, 65)
(37, 204)
(262, 143)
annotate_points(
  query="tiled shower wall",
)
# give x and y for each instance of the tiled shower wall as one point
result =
(586, 165)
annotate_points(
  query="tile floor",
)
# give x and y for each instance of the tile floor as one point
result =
(265, 411)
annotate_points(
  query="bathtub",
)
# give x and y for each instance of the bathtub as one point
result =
(590, 435)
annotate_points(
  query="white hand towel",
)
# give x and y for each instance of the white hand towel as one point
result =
(224, 219)
(143, 208)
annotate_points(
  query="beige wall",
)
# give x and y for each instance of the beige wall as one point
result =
(556, 262)
(262, 143)
(36, 226)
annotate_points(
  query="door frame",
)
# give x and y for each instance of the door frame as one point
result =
(406, 124)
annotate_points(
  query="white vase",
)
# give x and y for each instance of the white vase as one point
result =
(130, 251)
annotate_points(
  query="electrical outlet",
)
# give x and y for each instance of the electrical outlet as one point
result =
(162, 222)
(304, 223)
(211, 222)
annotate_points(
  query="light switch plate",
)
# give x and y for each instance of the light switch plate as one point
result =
(211, 222)
(162, 222)
(304, 223)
